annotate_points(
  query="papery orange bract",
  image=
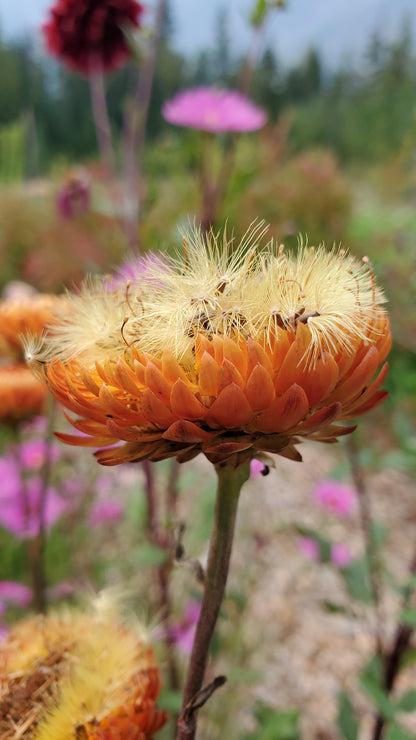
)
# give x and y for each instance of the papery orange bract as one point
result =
(25, 316)
(242, 396)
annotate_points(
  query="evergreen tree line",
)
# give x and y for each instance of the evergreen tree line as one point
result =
(364, 112)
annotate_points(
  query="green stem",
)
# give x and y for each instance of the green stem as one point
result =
(230, 481)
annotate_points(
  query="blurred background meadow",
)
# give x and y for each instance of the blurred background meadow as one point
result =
(322, 582)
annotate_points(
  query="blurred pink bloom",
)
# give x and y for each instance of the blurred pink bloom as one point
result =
(136, 269)
(4, 631)
(183, 633)
(309, 548)
(337, 498)
(38, 425)
(17, 290)
(33, 453)
(216, 111)
(62, 590)
(19, 509)
(15, 593)
(106, 511)
(257, 468)
(340, 555)
(9, 477)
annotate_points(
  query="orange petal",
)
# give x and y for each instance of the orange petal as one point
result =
(126, 378)
(371, 403)
(183, 402)
(130, 435)
(140, 369)
(384, 346)
(157, 383)
(155, 411)
(73, 439)
(281, 346)
(229, 374)
(369, 392)
(285, 412)
(231, 409)
(293, 364)
(208, 375)
(359, 378)
(259, 389)
(202, 345)
(171, 368)
(89, 382)
(218, 344)
(186, 431)
(235, 355)
(318, 381)
(113, 407)
(257, 356)
(320, 418)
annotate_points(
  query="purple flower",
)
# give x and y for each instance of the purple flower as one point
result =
(335, 497)
(20, 508)
(9, 477)
(309, 548)
(183, 633)
(74, 198)
(104, 512)
(136, 269)
(34, 452)
(15, 593)
(216, 111)
(340, 555)
(257, 468)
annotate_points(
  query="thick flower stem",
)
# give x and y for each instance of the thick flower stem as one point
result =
(230, 481)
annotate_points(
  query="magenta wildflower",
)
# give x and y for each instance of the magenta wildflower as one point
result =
(104, 512)
(34, 452)
(215, 111)
(340, 555)
(20, 508)
(335, 497)
(183, 633)
(257, 468)
(309, 548)
(15, 593)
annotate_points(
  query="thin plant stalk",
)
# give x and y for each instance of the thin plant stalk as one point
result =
(230, 481)
(160, 540)
(134, 137)
(36, 546)
(370, 549)
(102, 122)
(392, 661)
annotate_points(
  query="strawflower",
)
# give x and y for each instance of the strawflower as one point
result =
(22, 395)
(78, 675)
(257, 468)
(335, 497)
(233, 352)
(33, 453)
(20, 507)
(215, 111)
(23, 314)
(89, 36)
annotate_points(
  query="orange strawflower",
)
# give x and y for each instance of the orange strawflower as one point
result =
(23, 315)
(78, 676)
(225, 353)
(21, 394)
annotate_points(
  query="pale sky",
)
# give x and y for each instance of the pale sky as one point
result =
(338, 27)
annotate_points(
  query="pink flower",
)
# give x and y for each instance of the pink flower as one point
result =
(183, 633)
(33, 453)
(335, 497)
(216, 111)
(106, 511)
(340, 555)
(258, 468)
(19, 512)
(74, 197)
(309, 548)
(16, 593)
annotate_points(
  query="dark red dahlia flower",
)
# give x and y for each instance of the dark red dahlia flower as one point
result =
(88, 35)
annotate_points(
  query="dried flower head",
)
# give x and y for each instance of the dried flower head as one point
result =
(90, 35)
(215, 111)
(78, 676)
(24, 314)
(225, 351)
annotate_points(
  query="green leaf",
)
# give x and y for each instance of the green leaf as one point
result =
(408, 616)
(370, 680)
(276, 725)
(379, 533)
(407, 702)
(408, 659)
(170, 700)
(258, 13)
(395, 732)
(347, 721)
(357, 581)
(148, 554)
(333, 608)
